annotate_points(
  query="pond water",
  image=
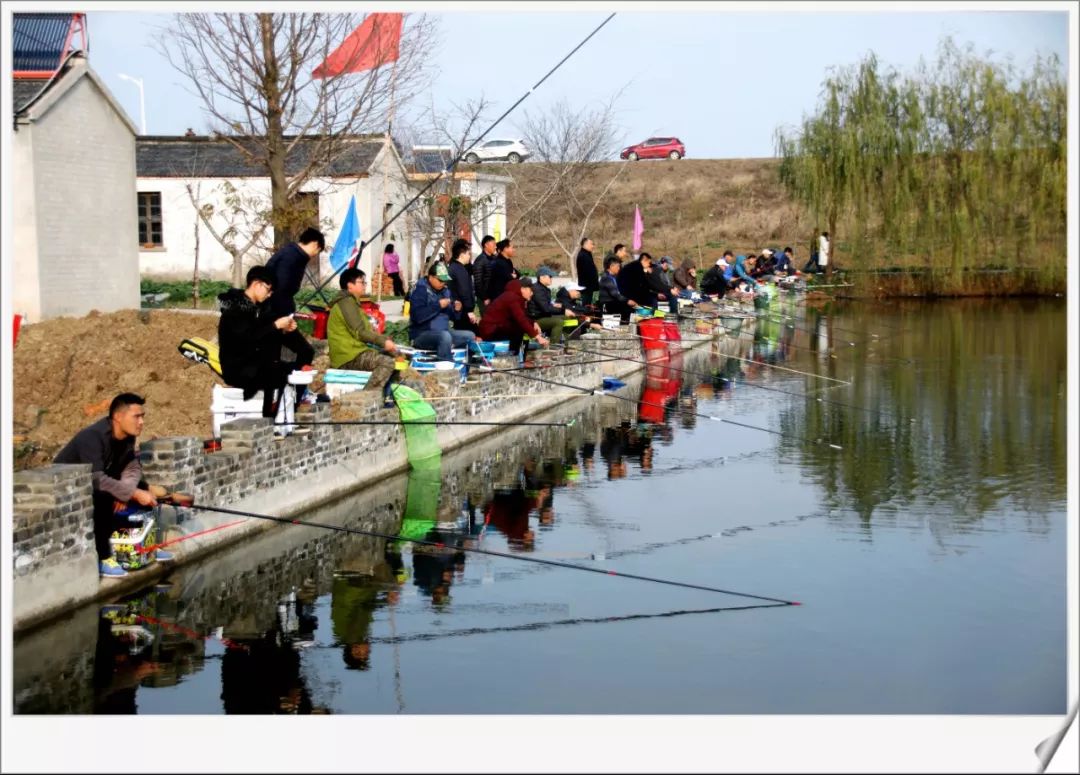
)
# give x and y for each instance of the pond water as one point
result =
(928, 553)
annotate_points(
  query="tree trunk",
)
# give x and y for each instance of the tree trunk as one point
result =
(832, 242)
(275, 139)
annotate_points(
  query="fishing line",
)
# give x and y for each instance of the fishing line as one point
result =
(733, 382)
(602, 392)
(489, 552)
(451, 165)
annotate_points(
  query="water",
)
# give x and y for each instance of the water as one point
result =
(928, 553)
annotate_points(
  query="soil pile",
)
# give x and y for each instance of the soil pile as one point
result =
(67, 370)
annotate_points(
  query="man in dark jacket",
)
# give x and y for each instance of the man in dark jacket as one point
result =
(570, 298)
(611, 299)
(461, 285)
(502, 269)
(587, 276)
(481, 270)
(250, 340)
(634, 281)
(431, 309)
(115, 473)
(506, 318)
(287, 267)
(549, 315)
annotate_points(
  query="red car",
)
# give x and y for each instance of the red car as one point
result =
(655, 148)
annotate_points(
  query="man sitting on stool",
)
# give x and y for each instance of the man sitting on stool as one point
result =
(351, 338)
(250, 340)
(115, 473)
(431, 308)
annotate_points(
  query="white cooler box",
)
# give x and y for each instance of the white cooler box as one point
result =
(341, 381)
(229, 404)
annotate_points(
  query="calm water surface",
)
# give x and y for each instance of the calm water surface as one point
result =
(928, 554)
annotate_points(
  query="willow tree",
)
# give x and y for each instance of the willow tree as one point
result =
(962, 161)
(255, 76)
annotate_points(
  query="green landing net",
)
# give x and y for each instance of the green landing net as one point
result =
(421, 441)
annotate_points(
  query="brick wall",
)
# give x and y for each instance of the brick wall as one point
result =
(257, 473)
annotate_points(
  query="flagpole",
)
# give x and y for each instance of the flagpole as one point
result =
(389, 131)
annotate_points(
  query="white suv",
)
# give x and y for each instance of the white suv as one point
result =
(512, 151)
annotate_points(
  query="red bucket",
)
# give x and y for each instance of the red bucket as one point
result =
(671, 331)
(319, 317)
(652, 333)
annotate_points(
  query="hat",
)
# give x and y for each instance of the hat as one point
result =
(720, 261)
(766, 251)
(545, 272)
(526, 282)
(441, 272)
(574, 287)
(665, 259)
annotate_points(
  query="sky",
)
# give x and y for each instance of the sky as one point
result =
(721, 80)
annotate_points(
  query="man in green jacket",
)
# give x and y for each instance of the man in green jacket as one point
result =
(352, 340)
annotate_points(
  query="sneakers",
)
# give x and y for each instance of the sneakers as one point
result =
(110, 568)
(163, 556)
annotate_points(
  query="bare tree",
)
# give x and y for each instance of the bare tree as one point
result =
(253, 74)
(556, 193)
(445, 209)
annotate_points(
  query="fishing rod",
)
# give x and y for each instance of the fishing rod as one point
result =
(603, 392)
(426, 422)
(759, 363)
(453, 164)
(748, 384)
(490, 552)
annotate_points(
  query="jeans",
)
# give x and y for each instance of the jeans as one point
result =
(443, 341)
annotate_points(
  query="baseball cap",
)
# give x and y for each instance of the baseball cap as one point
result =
(441, 272)
(665, 259)
(545, 272)
(720, 261)
(766, 251)
(574, 287)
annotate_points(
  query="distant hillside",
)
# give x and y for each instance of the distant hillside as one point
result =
(690, 207)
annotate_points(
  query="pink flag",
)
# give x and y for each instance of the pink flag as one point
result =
(639, 228)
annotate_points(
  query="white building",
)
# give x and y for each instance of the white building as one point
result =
(73, 178)
(175, 173)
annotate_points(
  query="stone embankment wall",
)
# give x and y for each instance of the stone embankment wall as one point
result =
(55, 561)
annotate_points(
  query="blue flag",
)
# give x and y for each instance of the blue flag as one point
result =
(347, 244)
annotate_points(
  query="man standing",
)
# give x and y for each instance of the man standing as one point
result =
(115, 473)
(549, 315)
(287, 267)
(481, 270)
(461, 285)
(502, 269)
(352, 339)
(587, 276)
(250, 340)
(431, 308)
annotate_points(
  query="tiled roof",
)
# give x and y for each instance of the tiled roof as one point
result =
(208, 157)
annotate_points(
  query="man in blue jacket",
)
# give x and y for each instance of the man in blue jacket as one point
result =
(431, 309)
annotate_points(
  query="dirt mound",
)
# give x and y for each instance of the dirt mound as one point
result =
(67, 370)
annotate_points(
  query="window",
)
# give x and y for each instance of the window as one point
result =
(150, 219)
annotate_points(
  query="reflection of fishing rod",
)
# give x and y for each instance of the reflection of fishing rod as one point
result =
(759, 363)
(426, 422)
(748, 384)
(490, 552)
(602, 392)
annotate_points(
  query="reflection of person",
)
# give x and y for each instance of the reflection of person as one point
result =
(117, 671)
(508, 511)
(109, 446)
(433, 566)
(262, 675)
(354, 600)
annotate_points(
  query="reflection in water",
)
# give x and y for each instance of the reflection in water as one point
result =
(960, 431)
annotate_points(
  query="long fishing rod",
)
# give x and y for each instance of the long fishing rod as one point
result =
(602, 392)
(760, 363)
(425, 422)
(453, 164)
(748, 384)
(489, 552)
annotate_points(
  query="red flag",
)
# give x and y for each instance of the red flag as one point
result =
(373, 43)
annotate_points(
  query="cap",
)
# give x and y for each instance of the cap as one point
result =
(574, 287)
(720, 261)
(766, 251)
(665, 259)
(441, 272)
(545, 272)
